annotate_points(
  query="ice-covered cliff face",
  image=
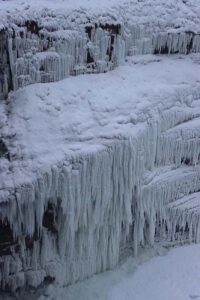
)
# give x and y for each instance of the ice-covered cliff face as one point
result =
(74, 220)
(108, 166)
(94, 165)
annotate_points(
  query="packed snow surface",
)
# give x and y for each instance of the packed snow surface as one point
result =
(174, 276)
(9, 4)
(164, 14)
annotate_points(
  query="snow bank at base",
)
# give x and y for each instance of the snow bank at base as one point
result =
(174, 276)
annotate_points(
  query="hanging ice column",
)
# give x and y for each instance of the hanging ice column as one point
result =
(167, 193)
(69, 223)
(176, 42)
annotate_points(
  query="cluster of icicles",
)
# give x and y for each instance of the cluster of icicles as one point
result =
(74, 220)
(51, 56)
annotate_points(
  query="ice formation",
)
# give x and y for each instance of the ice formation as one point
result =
(38, 55)
(77, 216)
(74, 220)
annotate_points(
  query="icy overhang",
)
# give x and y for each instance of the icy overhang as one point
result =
(44, 124)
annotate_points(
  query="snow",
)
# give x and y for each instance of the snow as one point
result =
(178, 14)
(173, 276)
(9, 4)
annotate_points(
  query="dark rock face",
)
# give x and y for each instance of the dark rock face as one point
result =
(114, 29)
(4, 150)
(6, 238)
(50, 219)
(32, 26)
(5, 71)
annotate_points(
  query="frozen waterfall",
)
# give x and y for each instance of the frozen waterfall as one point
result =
(78, 216)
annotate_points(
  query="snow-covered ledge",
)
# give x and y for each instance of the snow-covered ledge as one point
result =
(90, 166)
